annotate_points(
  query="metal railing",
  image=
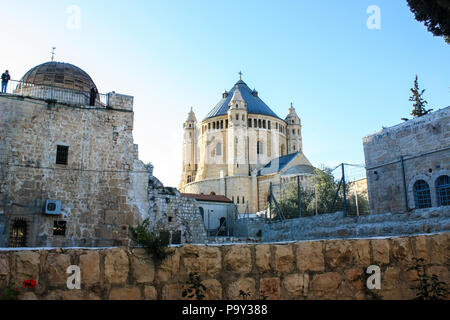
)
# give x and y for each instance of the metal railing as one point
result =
(49, 93)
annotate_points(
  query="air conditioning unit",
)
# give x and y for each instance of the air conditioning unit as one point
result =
(53, 207)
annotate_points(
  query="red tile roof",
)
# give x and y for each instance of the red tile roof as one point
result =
(206, 197)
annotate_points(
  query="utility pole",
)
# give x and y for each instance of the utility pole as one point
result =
(356, 200)
(345, 194)
(315, 195)
(299, 198)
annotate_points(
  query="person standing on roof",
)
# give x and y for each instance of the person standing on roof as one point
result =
(5, 78)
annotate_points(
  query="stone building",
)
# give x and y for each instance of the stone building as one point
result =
(69, 170)
(240, 148)
(408, 165)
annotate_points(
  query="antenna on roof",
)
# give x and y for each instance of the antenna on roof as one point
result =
(53, 53)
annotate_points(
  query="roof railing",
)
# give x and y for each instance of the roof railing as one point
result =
(75, 97)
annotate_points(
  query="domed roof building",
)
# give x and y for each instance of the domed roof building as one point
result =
(240, 147)
(60, 75)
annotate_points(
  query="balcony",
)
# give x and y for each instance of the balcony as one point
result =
(67, 96)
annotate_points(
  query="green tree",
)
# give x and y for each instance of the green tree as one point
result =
(419, 103)
(435, 14)
(289, 202)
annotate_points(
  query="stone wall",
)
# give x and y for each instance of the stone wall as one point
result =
(335, 225)
(170, 211)
(424, 143)
(103, 187)
(329, 269)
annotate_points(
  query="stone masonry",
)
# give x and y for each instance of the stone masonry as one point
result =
(328, 269)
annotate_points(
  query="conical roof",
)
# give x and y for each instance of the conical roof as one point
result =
(254, 104)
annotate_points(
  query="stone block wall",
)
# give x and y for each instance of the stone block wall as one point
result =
(424, 143)
(328, 269)
(335, 225)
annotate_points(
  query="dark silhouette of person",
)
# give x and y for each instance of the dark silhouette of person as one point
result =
(93, 96)
(5, 78)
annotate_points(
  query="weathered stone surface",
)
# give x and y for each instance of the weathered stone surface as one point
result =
(56, 268)
(262, 257)
(440, 249)
(133, 293)
(420, 248)
(90, 268)
(150, 293)
(338, 253)
(326, 281)
(310, 256)
(380, 248)
(401, 250)
(269, 288)
(143, 267)
(169, 268)
(4, 270)
(296, 285)
(284, 258)
(213, 289)
(65, 295)
(242, 289)
(27, 266)
(361, 252)
(28, 296)
(238, 259)
(203, 260)
(116, 266)
(390, 278)
(172, 291)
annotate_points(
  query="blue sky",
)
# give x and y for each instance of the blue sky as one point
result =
(345, 80)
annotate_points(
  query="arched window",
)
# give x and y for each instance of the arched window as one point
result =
(259, 123)
(249, 123)
(268, 125)
(237, 199)
(264, 124)
(294, 147)
(255, 123)
(212, 193)
(219, 149)
(189, 179)
(422, 196)
(237, 116)
(259, 147)
(214, 125)
(221, 124)
(282, 150)
(18, 234)
(443, 190)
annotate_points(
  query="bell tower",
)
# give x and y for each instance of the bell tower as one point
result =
(237, 137)
(294, 131)
(189, 149)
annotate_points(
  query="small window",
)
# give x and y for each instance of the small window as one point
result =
(259, 148)
(169, 219)
(422, 196)
(255, 123)
(249, 123)
(243, 200)
(176, 237)
(268, 125)
(219, 149)
(443, 190)
(18, 234)
(62, 153)
(237, 117)
(238, 199)
(59, 228)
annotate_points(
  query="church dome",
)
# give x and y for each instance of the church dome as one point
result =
(60, 75)
(254, 104)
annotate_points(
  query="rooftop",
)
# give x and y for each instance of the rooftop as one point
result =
(254, 104)
(205, 197)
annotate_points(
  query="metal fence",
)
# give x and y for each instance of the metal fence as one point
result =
(55, 94)
(339, 189)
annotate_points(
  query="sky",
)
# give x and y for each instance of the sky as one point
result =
(346, 67)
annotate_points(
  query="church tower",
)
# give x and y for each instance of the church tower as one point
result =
(294, 131)
(189, 148)
(237, 136)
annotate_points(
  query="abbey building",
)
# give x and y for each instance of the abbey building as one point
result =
(240, 148)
